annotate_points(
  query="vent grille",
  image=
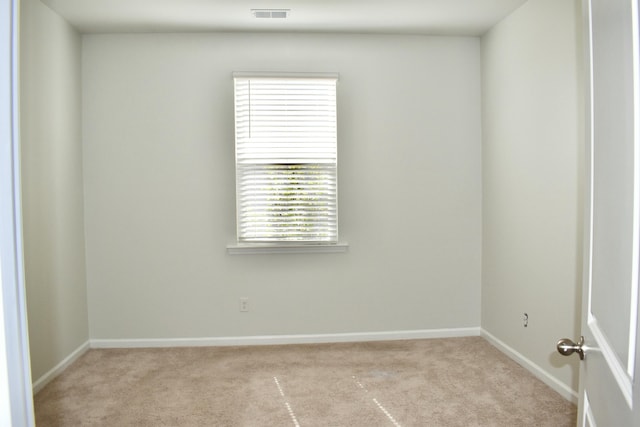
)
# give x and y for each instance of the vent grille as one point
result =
(271, 13)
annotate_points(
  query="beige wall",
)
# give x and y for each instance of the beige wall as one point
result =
(159, 188)
(532, 181)
(52, 187)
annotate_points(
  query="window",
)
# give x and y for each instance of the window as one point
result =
(286, 159)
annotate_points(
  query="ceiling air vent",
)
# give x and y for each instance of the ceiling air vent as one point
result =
(270, 13)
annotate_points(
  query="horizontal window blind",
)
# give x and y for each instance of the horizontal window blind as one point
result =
(286, 159)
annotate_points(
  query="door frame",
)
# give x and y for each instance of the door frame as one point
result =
(16, 393)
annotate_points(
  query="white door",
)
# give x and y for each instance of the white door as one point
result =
(609, 373)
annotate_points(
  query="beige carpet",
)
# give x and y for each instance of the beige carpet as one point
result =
(438, 382)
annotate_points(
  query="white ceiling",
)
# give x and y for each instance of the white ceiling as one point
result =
(436, 17)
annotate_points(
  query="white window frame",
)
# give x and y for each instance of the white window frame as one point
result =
(287, 244)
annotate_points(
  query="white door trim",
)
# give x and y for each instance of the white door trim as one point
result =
(15, 380)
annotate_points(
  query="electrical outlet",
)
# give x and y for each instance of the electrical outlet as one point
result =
(525, 320)
(244, 304)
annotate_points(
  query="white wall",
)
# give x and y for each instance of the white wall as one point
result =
(532, 173)
(159, 187)
(52, 187)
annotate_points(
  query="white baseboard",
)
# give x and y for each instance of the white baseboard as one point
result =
(57, 370)
(286, 339)
(536, 370)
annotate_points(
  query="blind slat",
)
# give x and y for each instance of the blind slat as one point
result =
(286, 159)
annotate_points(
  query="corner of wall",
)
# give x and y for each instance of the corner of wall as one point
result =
(531, 186)
(52, 194)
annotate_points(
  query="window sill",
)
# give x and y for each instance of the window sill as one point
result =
(268, 248)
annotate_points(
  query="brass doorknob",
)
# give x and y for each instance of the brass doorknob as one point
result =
(566, 347)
